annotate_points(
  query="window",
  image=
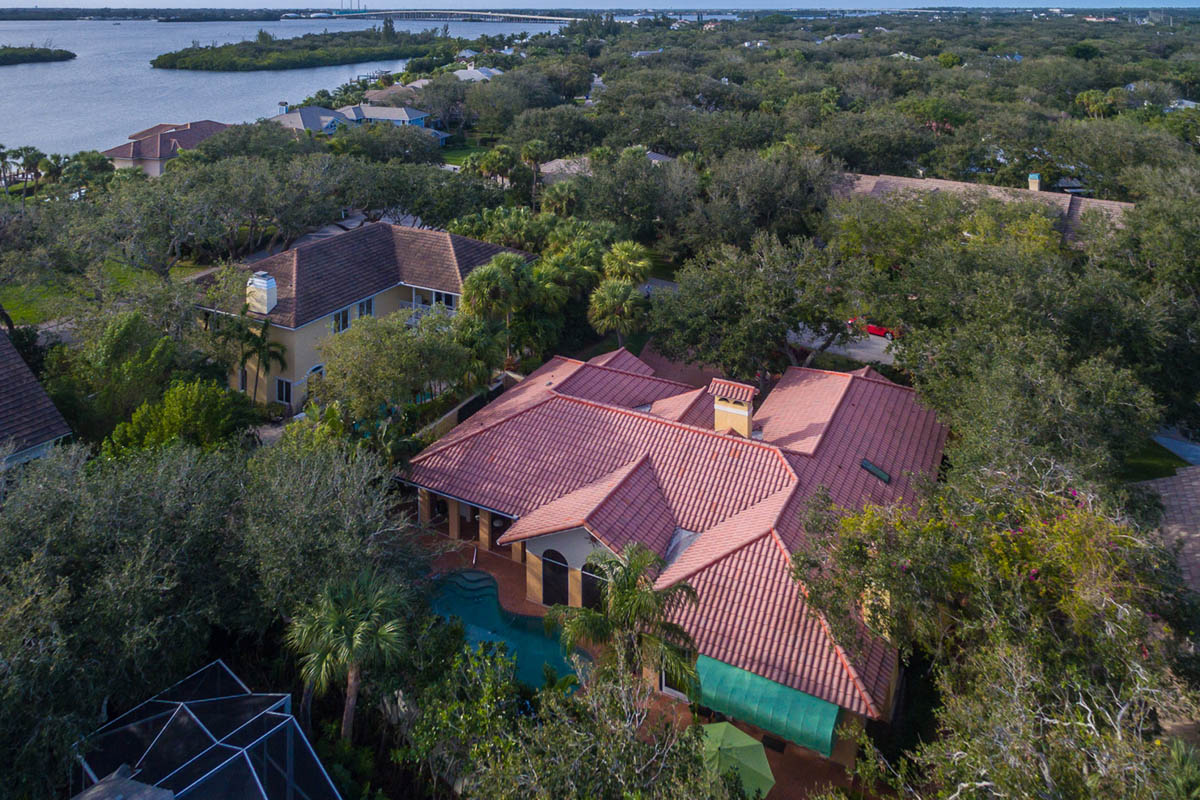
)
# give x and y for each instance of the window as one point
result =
(341, 320)
(671, 689)
(242, 380)
(445, 298)
(283, 391)
(367, 307)
(318, 371)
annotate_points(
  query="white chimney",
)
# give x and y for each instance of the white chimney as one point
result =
(260, 293)
(1035, 182)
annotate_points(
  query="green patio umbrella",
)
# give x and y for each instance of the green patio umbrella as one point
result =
(728, 748)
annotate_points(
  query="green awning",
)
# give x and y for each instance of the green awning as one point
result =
(798, 717)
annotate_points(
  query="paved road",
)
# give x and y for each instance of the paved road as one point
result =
(867, 349)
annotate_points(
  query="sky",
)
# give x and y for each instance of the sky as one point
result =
(595, 4)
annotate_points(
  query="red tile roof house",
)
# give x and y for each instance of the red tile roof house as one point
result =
(321, 288)
(152, 148)
(29, 423)
(583, 456)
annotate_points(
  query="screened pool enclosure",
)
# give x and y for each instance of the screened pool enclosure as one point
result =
(206, 737)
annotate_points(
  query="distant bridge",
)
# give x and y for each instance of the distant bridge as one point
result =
(446, 15)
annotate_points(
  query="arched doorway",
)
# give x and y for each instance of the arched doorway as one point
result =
(554, 579)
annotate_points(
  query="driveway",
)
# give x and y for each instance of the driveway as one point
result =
(867, 349)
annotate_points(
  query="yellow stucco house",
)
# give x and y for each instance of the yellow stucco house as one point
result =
(320, 288)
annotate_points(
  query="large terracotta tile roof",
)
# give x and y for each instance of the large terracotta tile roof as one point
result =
(753, 615)
(165, 140)
(624, 506)
(27, 417)
(1069, 208)
(618, 387)
(1180, 524)
(320, 277)
(691, 408)
(624, 360)
(564, 443)
(801, 407)
(568, 447)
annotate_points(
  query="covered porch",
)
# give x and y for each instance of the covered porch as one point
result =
(548, 579)
(800, 771)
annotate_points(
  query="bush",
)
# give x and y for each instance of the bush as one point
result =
(199, 413)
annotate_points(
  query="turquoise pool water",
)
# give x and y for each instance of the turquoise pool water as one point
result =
(472, 597)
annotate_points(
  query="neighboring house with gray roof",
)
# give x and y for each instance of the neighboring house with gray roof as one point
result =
(397, 115)
(477, 75)
(29, 422)
(312, 118)
(561, 169)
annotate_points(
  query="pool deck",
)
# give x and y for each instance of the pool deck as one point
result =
(798, 774)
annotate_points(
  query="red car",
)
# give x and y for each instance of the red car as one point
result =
(873, 328)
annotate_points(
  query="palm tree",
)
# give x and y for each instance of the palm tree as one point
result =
(560, 198)
(633, 619)
(628, 261)
(617, 305)
(533, 153)
(499, 288)
(351, 626)
(27, 159)
(264, 351)
(31, 159)
(52, 166)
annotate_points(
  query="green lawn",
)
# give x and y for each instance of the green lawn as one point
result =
(457, 155)
(35, 303)
(1151, 461)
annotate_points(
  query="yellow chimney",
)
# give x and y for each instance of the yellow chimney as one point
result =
(732, 406)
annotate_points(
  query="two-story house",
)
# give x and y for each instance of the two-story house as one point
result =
(320, 288)
(29, 422)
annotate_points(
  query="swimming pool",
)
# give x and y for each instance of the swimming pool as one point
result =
(472, 596)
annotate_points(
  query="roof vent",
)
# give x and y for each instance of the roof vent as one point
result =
(261, 295)
(876, 471)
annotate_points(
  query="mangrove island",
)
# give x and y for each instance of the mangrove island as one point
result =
(31, 55)
(310, 50)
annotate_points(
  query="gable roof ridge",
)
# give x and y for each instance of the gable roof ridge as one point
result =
(701, 395)
(628, 468)
(686, 386)
(633, 467)
(438, 447)
(752, 540)
(721, 556)
(770, 448)
(851, 671)
(453, 254)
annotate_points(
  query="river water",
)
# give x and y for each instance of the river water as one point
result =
(110, 91)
